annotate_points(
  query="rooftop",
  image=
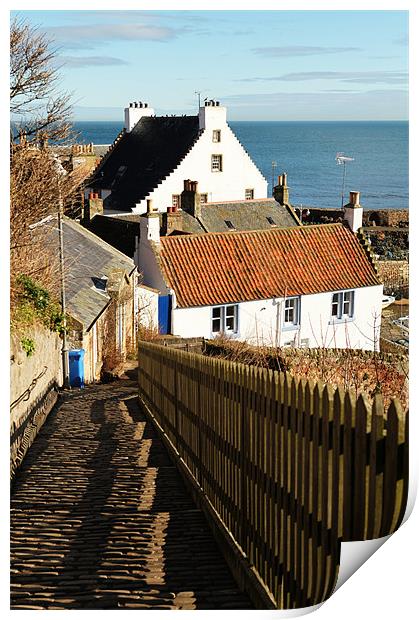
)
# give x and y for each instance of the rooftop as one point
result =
(89, 262)
(221, 268)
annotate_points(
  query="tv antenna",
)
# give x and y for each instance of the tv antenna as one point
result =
(274, 165)
(342, 160)
(199, 93)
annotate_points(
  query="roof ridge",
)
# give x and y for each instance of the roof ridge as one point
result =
(259, 231)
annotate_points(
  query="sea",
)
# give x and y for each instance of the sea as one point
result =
(307, 150)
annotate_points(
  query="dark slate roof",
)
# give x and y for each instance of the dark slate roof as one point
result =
(87, 259)
(120, 232)
(145, 156)
(243, 215)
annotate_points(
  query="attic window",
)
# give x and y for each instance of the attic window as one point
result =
(249, 194)
(216, 135)
(230, 225)
(100, 283)
(119, 174)
(203, 198)
(271, 221)
(175, 200)
(216, 163)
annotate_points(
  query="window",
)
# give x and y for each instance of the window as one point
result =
(292, 311)
(203, 198)
(225, 319)
(118, 176)
(216, 135)
(216, 163)
(343, 305)
(271, 221)
(249, 194)
(230, 225)
(175, 200)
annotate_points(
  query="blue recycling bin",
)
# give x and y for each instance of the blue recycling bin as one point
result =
(76, 367)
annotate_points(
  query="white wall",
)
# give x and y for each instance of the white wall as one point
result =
(258, 320)
(239, 172)
(147, 300)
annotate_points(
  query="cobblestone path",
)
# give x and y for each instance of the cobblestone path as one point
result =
(101, 520)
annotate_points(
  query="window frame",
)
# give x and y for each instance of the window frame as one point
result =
(252, 192)
(296, 312)
(340, 299)
(176, 200)
(216, 157)
(223, 318)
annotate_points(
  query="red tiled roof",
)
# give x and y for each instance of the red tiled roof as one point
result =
(218, 268)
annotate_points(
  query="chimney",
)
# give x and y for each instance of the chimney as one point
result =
(280, 192)
(190, 199)
(92, 206)
(352, 212)
(172, 220)
(212, 115)
(134, 112)
(150, 224)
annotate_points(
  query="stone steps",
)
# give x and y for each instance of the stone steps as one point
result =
(101, 519)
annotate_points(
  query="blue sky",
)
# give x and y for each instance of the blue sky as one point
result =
(263, 65)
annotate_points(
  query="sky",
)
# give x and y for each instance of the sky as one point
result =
(263, 65)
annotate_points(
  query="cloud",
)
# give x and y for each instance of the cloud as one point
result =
(87, 37)
(91, 61)
(301, 50)
(358, 77)
(377, 104)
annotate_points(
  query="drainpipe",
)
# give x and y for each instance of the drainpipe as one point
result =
(172, 309)
(64, 349)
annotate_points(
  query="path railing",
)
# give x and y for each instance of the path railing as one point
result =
(289, 468)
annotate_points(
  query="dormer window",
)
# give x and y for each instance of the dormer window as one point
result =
(216, 135)
(216, 163)
(230, 225)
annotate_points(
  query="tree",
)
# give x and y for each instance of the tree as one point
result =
(38, 182)
(38, 109)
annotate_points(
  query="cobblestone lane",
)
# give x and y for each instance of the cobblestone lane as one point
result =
(101, 520)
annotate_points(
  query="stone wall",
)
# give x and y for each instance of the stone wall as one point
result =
(395, 276)
(34, 381)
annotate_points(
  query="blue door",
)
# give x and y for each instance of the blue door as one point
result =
(165, 307)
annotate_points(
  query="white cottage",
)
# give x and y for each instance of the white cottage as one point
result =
(154, 154)
(313, 286)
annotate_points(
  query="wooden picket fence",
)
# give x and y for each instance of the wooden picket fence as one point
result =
(291, 467)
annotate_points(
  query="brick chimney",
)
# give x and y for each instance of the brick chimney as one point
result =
(190, 199)
(352, 212)
(92, 206)
(280, 192)
(134, 112)
(172, 220)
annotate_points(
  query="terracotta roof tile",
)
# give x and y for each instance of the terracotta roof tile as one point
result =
(220, 268)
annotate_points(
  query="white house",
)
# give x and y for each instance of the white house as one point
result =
(155, 154)
(313, 286)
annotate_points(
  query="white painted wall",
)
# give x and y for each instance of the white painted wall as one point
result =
(258, 321)
(239, 172)
(147, 300)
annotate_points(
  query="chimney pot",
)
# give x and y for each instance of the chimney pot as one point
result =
(354, 198)
(146, 105)
(280, 179)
